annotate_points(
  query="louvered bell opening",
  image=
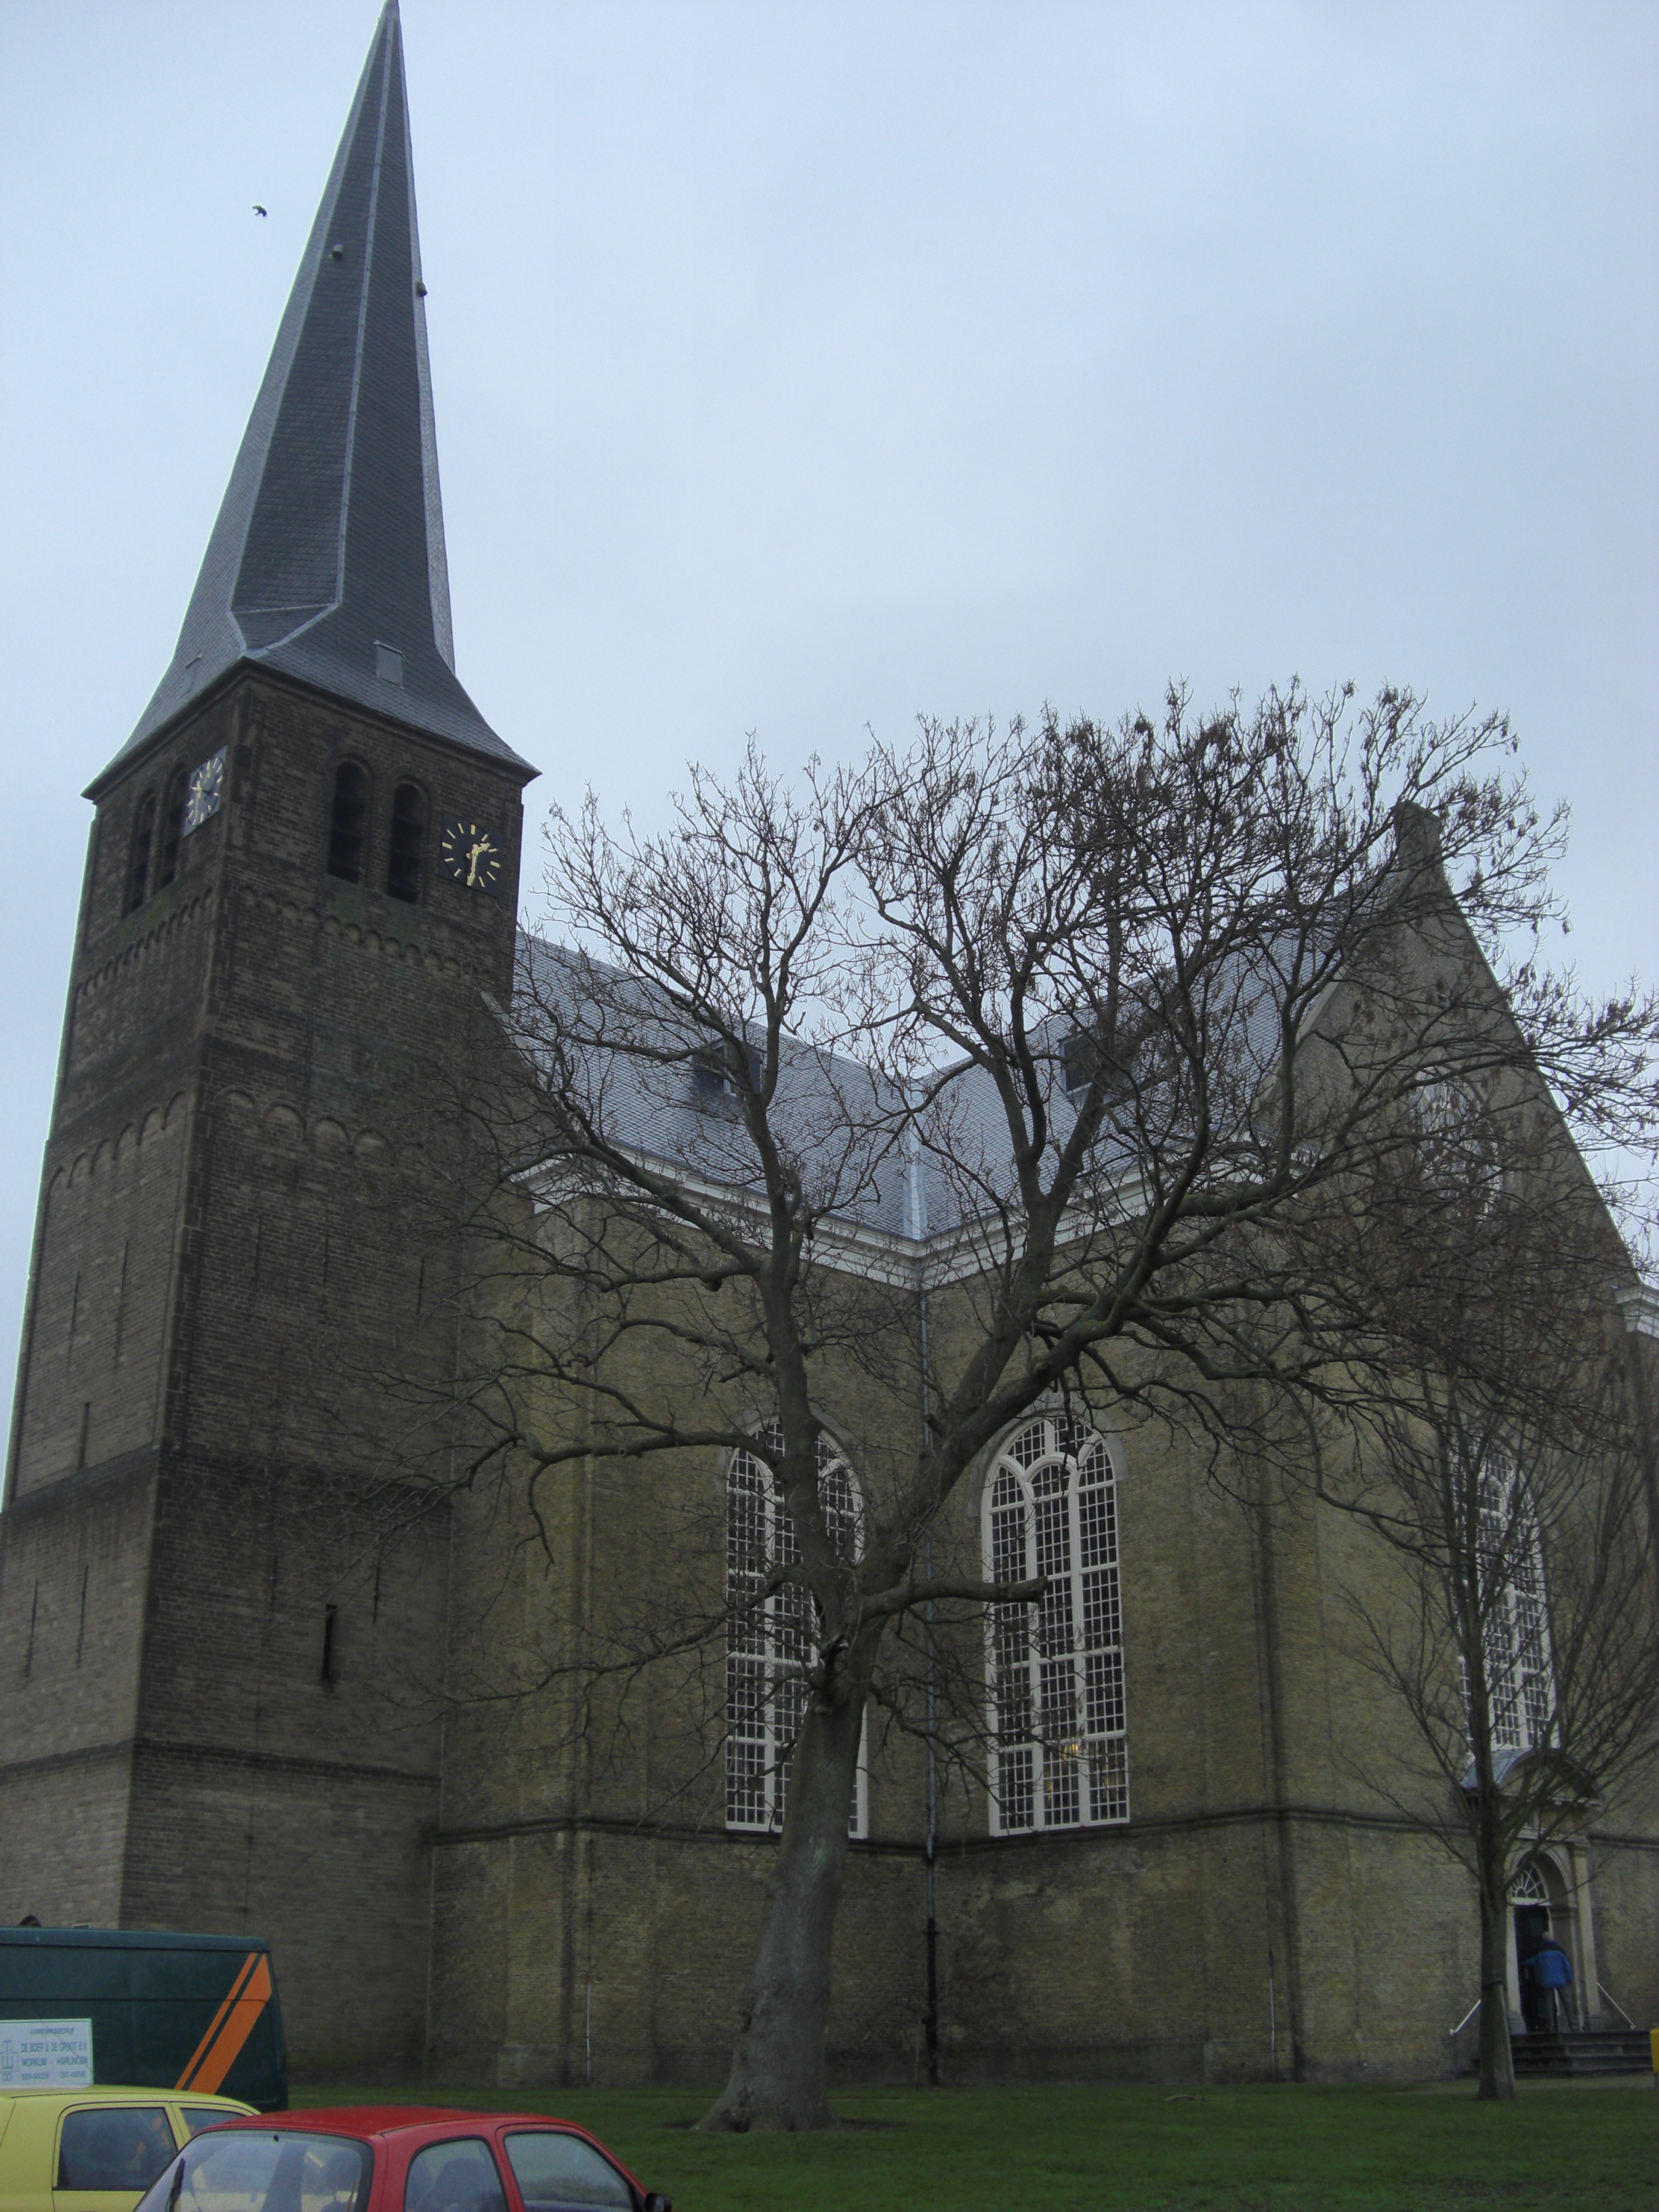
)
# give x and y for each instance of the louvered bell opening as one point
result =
(345, 826)
(144, 836)
(403, 873)
(173, 825)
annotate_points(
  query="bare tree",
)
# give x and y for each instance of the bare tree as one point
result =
(1494, 1448)
(998, 1067)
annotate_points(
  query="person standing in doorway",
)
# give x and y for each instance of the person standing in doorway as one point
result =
(1551, 1970)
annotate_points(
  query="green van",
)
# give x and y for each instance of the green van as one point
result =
(195, 2013)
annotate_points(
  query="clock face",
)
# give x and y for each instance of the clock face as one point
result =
(469, 854)
(205, 793)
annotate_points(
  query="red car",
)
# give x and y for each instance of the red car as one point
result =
(398, 2158)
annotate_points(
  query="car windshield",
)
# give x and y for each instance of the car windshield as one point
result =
(247, 2170)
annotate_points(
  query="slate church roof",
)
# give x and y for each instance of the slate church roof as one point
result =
(327, 559)
(840, 1122)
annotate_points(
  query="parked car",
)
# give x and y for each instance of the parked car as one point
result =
(374, 2158)
(95, 2150)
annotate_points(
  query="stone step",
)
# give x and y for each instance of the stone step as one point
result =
(1608, 2051)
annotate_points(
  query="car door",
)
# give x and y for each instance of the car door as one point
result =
(108, 2154)
(458, 2175)
(28, 2148)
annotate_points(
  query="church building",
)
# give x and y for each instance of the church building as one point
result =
(301, 880)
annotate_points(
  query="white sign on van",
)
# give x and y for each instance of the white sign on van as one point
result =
(45, 2054)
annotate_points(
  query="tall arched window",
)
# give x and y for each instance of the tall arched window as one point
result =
(1059, 1757)
(771, 1642)
(345, 823)
(144, 836)
(1509, 1581)
(402, 860)
(1453, 1152)
(173, 826)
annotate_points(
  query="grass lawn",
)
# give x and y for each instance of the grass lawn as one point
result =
(1287, 2150)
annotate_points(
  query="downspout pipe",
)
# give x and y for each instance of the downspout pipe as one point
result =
(916, 1210)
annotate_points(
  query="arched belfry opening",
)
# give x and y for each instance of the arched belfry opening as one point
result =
(406, 843)
(347, 822)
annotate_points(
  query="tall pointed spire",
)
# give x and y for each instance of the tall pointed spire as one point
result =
(327, 559)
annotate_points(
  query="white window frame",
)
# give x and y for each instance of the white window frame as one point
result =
(1456, 1143)
(770, 1650)
(1056, 1697)
(1519, 1667)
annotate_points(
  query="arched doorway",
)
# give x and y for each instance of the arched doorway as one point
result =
(1529, 1922)
(1540, 1904)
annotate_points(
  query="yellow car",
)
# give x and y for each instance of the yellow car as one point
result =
(94, 2150)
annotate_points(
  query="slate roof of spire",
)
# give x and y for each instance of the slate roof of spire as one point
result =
(327, 559)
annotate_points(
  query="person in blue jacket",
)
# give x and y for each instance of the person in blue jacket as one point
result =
(1550, 1971)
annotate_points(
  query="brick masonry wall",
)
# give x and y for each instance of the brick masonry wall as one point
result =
(72, 1592)
(1266, 1910)
(1114, 1954)
(1625, 1901)
(228, 1246)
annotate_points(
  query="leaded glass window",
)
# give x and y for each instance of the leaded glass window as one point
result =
(1059, 1756)
(1520, 1684)
(1456, 1152)
(771, 1642)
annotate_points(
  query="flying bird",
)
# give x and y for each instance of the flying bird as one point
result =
(257, 209)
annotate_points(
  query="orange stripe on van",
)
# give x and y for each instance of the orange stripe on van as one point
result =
(231, 2025)
(201, 2049)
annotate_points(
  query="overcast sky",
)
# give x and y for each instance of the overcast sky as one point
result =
(802, 368)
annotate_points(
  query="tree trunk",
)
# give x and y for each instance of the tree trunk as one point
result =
(1496, 2058)
(777, 2061)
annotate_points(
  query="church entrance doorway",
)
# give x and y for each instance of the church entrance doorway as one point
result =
(1532, 1925)
(1543, 1902)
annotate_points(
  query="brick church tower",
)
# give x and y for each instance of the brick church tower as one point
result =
(302, 871)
